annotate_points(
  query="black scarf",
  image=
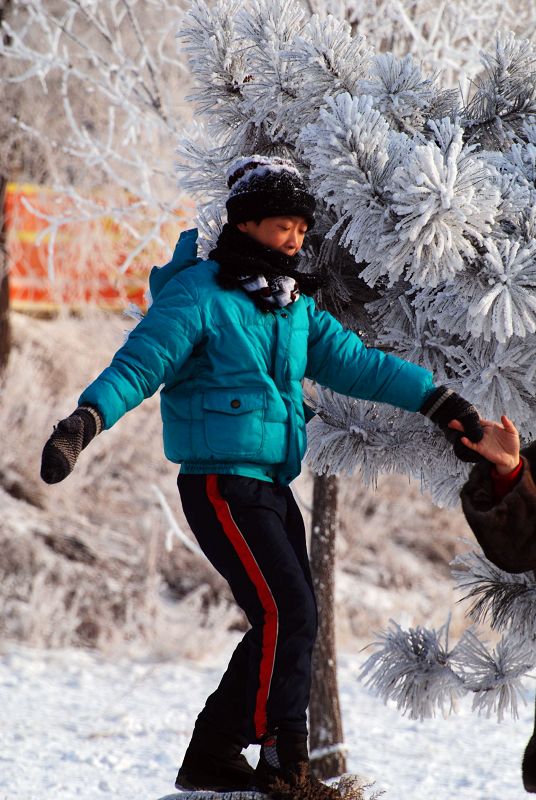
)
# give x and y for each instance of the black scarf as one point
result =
(270, 277)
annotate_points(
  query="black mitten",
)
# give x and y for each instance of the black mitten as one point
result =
(69, 438)
(442, 407)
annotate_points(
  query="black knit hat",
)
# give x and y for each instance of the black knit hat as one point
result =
(263, 186)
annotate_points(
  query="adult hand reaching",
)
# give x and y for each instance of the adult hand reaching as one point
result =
(499, 444)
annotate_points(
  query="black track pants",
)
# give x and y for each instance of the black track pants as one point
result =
(253, 533)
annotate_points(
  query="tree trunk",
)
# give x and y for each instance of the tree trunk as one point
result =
(5, 328)
(326, 737)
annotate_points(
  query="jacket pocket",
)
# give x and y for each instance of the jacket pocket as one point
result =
(234, 421)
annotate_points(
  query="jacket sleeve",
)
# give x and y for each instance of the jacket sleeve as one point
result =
(154, 352)
(338, 359)
(505, 528)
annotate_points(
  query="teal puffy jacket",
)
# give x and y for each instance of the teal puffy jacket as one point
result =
(231, 396)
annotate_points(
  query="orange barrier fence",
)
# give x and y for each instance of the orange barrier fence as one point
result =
(86, 268)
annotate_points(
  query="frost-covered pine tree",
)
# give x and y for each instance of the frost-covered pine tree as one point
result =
(445, 36)
(427, 234)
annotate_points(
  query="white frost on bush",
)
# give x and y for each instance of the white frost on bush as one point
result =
(348, 435)
(350, 150)
(502, 302)
(415, 669)
(444, 203)
(412, 668)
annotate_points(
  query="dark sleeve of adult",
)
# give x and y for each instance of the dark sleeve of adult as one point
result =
(505, 528)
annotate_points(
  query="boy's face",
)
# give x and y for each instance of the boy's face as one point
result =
(284, 234)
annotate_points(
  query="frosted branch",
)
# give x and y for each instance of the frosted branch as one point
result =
(174, 528)
(415, 669)
(412, 668)
(504, 600)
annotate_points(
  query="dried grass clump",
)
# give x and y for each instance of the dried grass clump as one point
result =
(347, 787)
(352, 787)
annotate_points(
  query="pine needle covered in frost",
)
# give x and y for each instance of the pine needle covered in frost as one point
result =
(404, 95)
(329, 59)
(494, 676)
(351, 151)
(348, 435)
(333, 55)
(505, 93)
(412, 668)
(497, 376)
(444, 202)
(503, 599)
(502, 301)
(216, 60)
(411, 332)
(415, 669)
(494, 299)
(271, 90)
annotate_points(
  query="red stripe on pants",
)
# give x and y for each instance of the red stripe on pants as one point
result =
(269, 633)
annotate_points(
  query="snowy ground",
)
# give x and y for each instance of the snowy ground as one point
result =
(75, 725)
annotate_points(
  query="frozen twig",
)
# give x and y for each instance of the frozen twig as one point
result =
(174, 528)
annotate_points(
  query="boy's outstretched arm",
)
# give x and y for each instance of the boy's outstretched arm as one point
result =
(154, 351)
(338, 359)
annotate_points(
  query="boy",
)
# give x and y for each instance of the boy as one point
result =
(231, 339)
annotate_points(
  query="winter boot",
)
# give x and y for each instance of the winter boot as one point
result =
(284, 771)
(213, 762)
(528, 767)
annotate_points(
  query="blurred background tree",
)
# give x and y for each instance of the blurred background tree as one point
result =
(93, 103)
